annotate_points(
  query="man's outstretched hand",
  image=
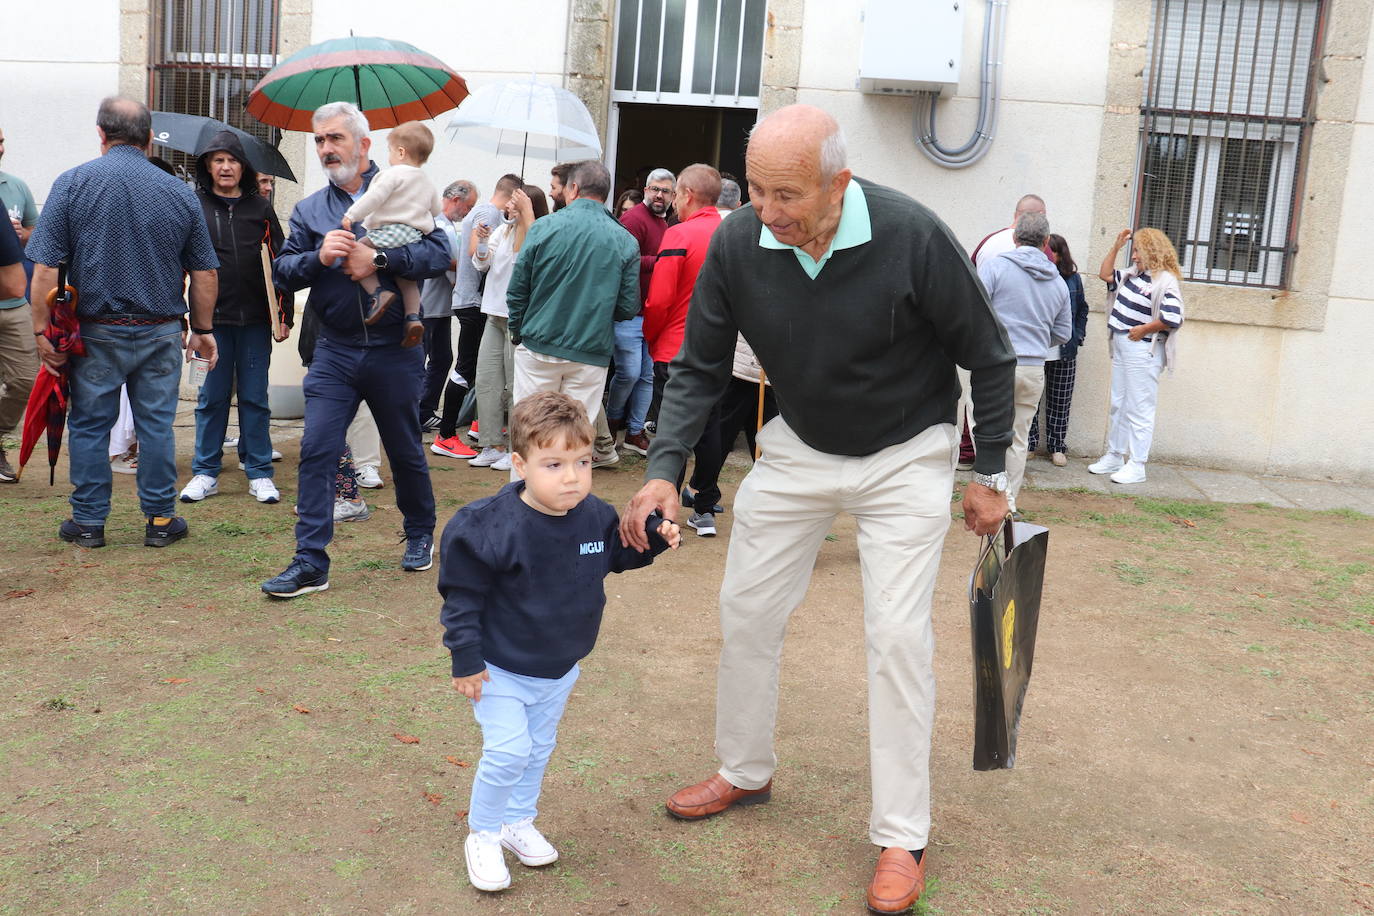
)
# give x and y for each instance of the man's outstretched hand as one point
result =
(655, 495)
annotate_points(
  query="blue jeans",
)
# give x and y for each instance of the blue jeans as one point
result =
(519, 719)
(148, 359)
(632, 387)
(244, 353)
(341, 376)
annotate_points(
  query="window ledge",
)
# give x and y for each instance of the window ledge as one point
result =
(1249, 306)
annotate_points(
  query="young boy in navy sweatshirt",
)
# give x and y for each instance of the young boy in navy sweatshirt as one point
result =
(521, 576)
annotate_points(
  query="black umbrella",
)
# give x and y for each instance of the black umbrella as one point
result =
(192, 133)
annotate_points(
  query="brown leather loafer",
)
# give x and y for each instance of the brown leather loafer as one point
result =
(714, 796)
(898, 881)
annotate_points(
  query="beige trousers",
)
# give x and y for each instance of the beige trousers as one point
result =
(1030, 382)
(18, 364)
(784, 508)
(363, 438)
(540, 372)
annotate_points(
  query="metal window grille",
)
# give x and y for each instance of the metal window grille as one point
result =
(206, 57)
(1225, 122)
(689, 52)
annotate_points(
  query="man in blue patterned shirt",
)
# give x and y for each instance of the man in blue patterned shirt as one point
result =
(130, 232)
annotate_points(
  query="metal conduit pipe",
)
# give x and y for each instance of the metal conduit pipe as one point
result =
(989, 90)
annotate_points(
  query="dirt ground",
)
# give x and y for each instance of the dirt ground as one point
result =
(1197, 736)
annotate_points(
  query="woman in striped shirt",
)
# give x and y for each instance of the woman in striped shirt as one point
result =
(1146, 315)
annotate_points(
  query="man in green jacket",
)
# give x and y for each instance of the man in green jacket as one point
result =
(577, 272)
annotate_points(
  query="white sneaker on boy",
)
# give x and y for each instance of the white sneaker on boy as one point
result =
(528, 844)
(486, 862)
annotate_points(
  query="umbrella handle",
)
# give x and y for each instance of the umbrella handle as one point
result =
(67, 294)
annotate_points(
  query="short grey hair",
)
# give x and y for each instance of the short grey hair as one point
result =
(1030, 203)
(729, 194)
(1031, 229)
(461, 189)
(593, 180)
(661, 175)
(357, 122)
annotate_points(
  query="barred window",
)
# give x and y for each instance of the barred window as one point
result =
(206, 57)
(1224, 126)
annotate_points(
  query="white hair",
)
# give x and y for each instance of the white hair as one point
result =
(660, 175)
(357, 122)
(834, 154)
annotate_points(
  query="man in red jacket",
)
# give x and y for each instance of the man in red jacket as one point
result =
(632, 387)
(680, 256)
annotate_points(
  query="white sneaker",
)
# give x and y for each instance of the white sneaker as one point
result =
(502, 463)
(263, 490)
(1132, 472)
(486, 862)
(486, 457)
(605, 461)
(349, 511)
(276, 455)
(200, 487)
(231, 441)
(368, 477)
(528, 844)
(1109, 463)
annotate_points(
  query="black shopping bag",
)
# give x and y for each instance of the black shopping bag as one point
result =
(1004, 603)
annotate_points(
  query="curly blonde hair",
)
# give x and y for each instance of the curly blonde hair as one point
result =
(1156, 251)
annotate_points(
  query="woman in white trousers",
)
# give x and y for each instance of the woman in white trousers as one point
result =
(1143, 327)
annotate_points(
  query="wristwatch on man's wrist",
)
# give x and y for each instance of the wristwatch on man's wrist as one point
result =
(996, 481)
(379, 260)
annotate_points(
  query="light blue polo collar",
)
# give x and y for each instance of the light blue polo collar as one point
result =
(855, 229)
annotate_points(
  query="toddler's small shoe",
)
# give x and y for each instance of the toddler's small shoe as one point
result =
(528, 844)
(377, 306)
(414, 332)
(486, 862)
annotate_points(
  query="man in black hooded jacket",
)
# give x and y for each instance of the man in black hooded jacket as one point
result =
(241, 223)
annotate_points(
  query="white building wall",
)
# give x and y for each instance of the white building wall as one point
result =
(1258, 398)
(57, 61)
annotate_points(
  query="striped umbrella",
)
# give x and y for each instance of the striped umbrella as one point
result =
(390, 81)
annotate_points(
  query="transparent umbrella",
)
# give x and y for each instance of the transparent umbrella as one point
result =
(526, 117)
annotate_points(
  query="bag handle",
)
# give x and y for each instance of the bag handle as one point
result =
(990, 540)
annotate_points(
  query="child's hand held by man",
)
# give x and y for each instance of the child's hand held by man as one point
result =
(470, 685)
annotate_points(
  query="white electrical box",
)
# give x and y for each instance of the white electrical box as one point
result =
(911, 46)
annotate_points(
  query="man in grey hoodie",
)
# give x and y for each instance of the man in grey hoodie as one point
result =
(1032, 303)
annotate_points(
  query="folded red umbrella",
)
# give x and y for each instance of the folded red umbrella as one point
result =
(47, 407)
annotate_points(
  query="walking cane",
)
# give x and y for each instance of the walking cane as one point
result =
(758, 426)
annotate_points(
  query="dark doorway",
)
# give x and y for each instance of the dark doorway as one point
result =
(675, 136)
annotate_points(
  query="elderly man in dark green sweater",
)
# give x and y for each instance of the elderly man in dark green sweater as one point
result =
(859, 302)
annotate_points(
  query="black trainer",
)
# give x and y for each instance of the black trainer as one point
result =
(689, 501)
(82, 535)
(431, 423)
(419, 554)
(300, 578)
(161, 531)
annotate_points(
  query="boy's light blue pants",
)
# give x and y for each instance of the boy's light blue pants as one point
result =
(519, 719)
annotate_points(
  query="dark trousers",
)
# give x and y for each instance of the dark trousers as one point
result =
(739, 412)
(438, 360)
(1058, 396)
(471, 324)
(708, 458)
(389, 379)
(660, 379)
